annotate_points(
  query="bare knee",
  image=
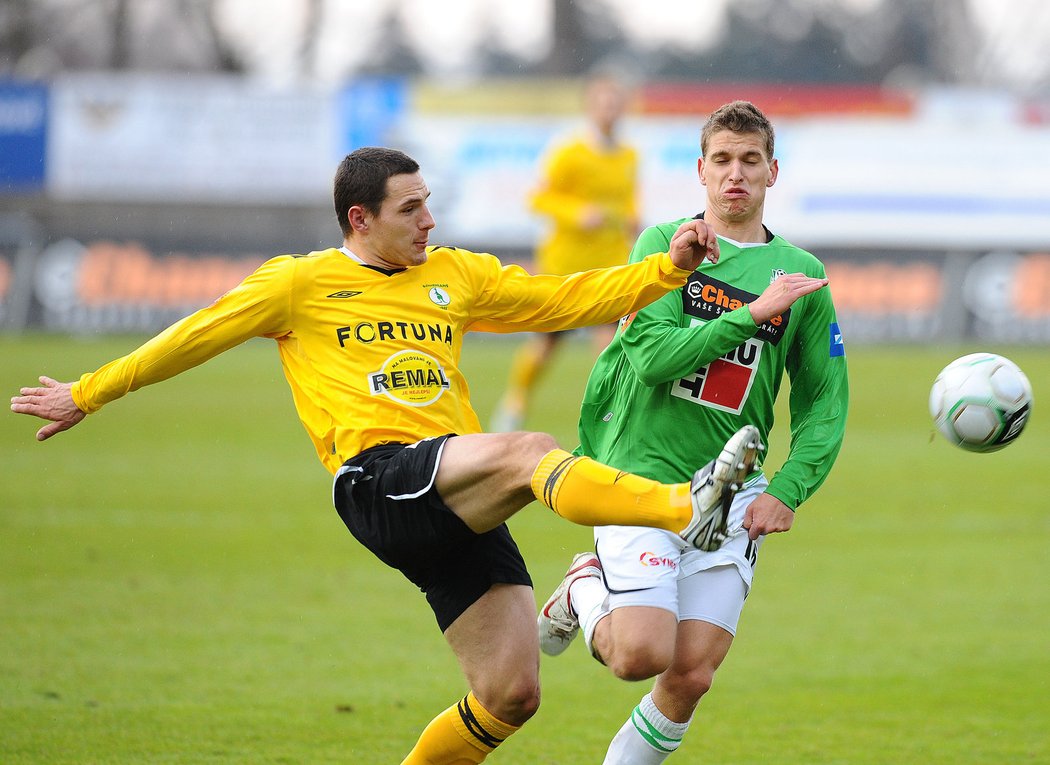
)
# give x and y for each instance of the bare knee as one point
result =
(637, 642)
(487, 477)
(518, 452)
(689, 685)
(523, 452)
(533, 446)
(514, 702)
(638, 661)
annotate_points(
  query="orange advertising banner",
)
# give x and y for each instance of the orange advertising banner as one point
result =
(915, 296)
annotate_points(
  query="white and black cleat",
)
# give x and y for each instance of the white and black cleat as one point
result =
(714, 486)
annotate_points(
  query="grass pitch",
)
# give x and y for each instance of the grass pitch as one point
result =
(175, 588)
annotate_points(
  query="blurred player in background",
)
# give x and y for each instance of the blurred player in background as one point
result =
(680, 375)
(588, 194)
(370, 336)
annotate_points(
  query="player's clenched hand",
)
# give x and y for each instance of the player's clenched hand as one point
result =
(767, 515)
(692, 242)
(52, 402)
(781, 294)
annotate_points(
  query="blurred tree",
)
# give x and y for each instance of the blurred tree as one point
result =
(120, 42)
(183, 35)
(831, 41)
(872, 41)
(16, 39)
(204, 15)
(390, 51)
(497, 61)
(584, 35)
(311, 36)
(566, 54)
(754, 49)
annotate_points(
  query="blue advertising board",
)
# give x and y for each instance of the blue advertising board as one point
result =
(23, 136)
(369, 108)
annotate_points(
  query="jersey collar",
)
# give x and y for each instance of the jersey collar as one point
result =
(769, 234)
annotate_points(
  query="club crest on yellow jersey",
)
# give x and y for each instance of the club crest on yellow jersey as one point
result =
(411, 378)
(439, 296)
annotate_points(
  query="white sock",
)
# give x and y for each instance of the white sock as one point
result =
(647, 738)
(589, 601)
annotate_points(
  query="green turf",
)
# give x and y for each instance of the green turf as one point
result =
(175, 588)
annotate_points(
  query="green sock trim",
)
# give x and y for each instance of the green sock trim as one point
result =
(653, 737)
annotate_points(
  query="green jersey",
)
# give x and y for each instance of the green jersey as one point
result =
(687, 371)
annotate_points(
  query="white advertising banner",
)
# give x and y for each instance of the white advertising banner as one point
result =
(856, 183)
(932, 180)
(913, 184)
(189, 139)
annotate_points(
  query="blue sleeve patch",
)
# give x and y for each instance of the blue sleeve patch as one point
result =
(837, 347)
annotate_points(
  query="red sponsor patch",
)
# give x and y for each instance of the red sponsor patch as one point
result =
(726, 384)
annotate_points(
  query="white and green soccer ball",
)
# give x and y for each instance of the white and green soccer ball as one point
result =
(981, 402)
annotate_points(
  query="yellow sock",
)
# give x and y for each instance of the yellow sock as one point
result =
(592, 494)
(463, 734)
(524, 371)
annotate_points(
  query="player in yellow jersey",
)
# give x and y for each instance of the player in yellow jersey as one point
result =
(588, 195)
(369, 336)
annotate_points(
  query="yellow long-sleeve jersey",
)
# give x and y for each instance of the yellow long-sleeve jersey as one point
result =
(578, 175)
(373, 356)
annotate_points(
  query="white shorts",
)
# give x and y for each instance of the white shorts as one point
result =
(652, 567)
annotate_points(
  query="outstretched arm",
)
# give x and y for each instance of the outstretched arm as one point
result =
(515, 301)
(259, 305)
(53, 402)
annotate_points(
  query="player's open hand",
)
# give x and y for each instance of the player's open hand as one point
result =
(692, 242)
(781, 294)
(54, 402)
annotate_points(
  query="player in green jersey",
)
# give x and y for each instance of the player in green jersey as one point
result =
(681, 376)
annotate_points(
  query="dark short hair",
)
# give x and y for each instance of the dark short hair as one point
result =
(361, 179)
(738, 117)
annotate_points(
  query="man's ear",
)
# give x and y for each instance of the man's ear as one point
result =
(358, 218)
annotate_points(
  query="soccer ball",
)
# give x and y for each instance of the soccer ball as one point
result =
(981, 402)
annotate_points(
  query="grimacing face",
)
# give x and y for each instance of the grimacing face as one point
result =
(737, 172)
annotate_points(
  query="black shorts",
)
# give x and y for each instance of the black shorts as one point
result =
(387, 499)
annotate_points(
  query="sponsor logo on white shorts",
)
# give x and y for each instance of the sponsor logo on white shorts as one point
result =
(652, 560)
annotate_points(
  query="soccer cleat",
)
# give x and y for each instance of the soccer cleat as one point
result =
(557, 623)
(714, 486)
